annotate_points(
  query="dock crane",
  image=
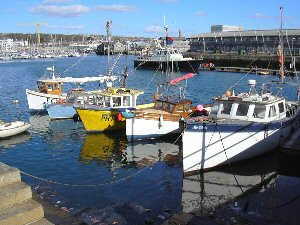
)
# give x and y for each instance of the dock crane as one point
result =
(38, 24)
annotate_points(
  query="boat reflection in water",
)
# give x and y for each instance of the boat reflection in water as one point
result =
(42, 124)
(102, 147)
(207, 190)
(117, 152)
(39, 123)
(14, 140)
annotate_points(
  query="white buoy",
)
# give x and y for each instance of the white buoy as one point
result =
(16, 101)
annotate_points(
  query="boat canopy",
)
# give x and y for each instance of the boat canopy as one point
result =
(80, 80)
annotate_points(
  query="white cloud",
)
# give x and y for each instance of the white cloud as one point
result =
(116, 8)
(60, 11)
(258, 16)
(154, 29)
(200, 13)
(55, 1)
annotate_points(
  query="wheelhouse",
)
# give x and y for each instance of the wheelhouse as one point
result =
(111, 97)
(49, 87)
(180, 106)
(265, 108)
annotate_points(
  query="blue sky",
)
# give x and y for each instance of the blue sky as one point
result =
(144, 17)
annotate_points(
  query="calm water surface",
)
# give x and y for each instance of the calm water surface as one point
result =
(102, 177)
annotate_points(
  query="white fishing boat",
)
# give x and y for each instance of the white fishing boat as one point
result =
(167, 57)
(8, 129)
(238, 127)
(241, 126)
(50, 90)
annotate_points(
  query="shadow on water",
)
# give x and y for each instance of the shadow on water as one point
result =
(208, 190)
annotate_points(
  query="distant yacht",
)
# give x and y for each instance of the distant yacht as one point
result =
(160, 58)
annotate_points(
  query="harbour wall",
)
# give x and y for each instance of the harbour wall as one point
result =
(246, 61)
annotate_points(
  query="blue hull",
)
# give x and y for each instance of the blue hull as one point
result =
(61, 111)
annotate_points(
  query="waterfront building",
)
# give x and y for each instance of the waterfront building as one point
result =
(246, 42)
(225, 28)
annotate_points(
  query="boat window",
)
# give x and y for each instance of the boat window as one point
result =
(259, 111)
(226, 108)
(188, 107)
(158, 104)
(214, 109)
(107, 101)
(272, 111)
(116, 101)
(242, 109)
(90, 100)
(166, 105)
(180, 108)
(49, 87)
(171, 107)
(70, 98)
(56, 86)
(99, 100)
(41, 86)
(126, 101)
(281, 108)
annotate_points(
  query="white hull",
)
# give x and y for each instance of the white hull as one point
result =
(207, 145)
(13, 128)
(140, 129)
(38, 101)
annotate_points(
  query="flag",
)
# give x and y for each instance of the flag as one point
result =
(169, 40)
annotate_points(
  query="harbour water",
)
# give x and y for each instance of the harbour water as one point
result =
(103, 178)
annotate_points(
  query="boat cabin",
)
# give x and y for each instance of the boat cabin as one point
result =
(110, 97)
(264, 108)
(49, 87)
(176, 106)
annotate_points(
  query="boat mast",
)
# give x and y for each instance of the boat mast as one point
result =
(108, 34)
(168, 54)
(280, 47)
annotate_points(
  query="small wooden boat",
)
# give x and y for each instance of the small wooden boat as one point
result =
(8, 129)
(161, 119)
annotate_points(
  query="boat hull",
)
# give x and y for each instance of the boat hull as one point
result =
(38, 101)
(13, 128)
(207, 145)
(141, 129)
(98, 120)
(61, 111)
(187, 65)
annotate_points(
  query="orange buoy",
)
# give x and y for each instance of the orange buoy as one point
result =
(119, 117)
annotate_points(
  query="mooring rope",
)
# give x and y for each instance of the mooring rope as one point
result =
(86, 185)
